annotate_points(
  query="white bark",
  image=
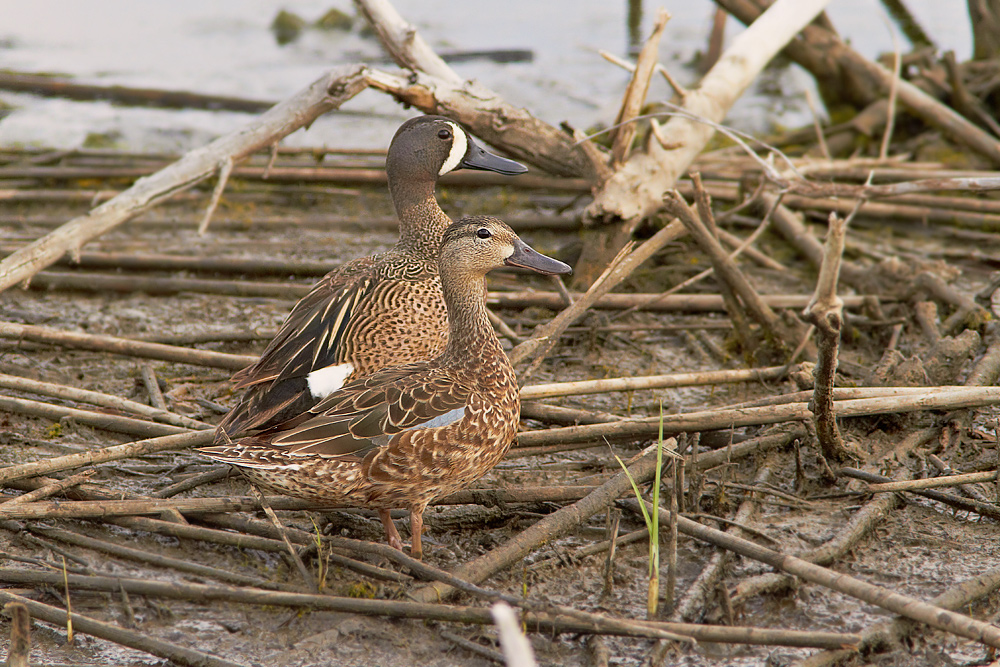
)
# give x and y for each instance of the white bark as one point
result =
(329, 92)
(637, 189)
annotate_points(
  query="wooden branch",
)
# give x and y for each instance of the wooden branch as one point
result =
(402, 42)
(826, 313)
(516, 648)
(179, 654)
(115, 345)
(635, 94)
(828, 47)
(327, 93)
(986, 509)
(113, 453)
(936, 617)
(549, 528)
(925, 398)
(636, 190)
(651, 302)
(96, 398)
(135, 427)
(538, 391)
(536, 622)
(545, 337)
(934, 482)
(488, 116)
(728, 272)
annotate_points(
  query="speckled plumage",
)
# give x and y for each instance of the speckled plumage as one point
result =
(374, 311)
(379, 442)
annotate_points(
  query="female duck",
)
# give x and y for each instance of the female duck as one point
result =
(412, 433)
(374, 311)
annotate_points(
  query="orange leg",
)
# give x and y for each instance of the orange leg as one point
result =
(390, 529)
(416, 528)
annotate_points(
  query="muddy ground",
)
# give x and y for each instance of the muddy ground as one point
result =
(921, 550)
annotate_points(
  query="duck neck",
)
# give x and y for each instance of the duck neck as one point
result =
(469, 327)
(421, 220)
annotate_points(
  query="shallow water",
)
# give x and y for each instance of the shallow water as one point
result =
(225, 47)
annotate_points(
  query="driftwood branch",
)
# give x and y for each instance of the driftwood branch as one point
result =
(923, 612)
(636, 190)
(327, 93)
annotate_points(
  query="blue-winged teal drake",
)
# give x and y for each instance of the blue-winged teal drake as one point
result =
(374, 311)
(411, 433)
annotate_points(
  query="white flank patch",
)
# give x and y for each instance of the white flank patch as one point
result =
(325, 381)
(459, 144)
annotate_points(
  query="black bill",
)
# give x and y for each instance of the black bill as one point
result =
(478, 158)
(527, 257)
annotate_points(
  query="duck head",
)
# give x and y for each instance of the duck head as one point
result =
(432, 146)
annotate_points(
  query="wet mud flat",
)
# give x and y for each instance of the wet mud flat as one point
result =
(785, 496)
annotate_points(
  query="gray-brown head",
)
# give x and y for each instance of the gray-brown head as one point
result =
(428, 147)
(476, 245)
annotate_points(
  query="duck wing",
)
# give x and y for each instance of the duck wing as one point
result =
(311, 335)
(310, 338)
(366, 414)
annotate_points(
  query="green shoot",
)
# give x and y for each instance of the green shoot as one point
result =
(652, 524)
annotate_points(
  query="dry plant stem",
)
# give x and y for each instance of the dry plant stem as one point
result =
(327, 93)
(727, 271)
(989, 510)
(701, 589)
(478, 649)
(929, 398)
(597, 651)
(207, 477)
(186, 531)
(402, 41)
(672, 537)
(124, 346)
(48, 490)
(139, 506)
(934, 482)
(861, 524)
(826, 47)
(635, 93)
(20, 634)
(636, 189)
(966, 308)
(789, 225)
(72, 281)
(135, 427)
(158, 560)
(652, 302)
(535, 621)
(545, 337)
(893, 632)
(549, 528)
(942, 619)
(110, 632)
(552, 390)
(153, 388)
(826, 313)
(299, 565)
(113, 453)
(987, 369)
(225, 169)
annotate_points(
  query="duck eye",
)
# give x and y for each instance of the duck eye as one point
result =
(483, 233)
(444, 134)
